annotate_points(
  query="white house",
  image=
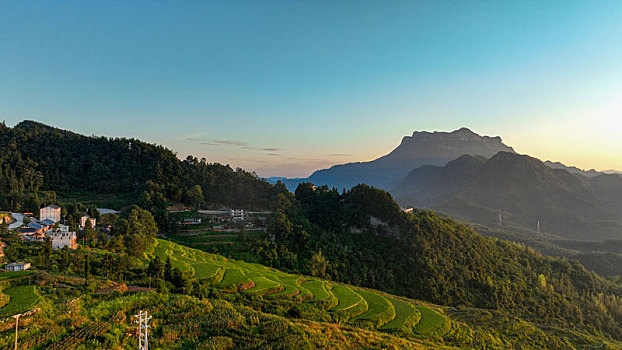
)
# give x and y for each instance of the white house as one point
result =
(83, 219)
(64, 239)
(17, 266)
(51, 212)
(236, 214)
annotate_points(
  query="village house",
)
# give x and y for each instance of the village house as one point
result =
(47, 223)
(83, 219)
(17, 266)
(191, 221)
(51, 212)
(64, 239)
(36, 226)
(236, 214)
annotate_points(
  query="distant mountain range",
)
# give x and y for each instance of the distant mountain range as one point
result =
(523, 191)
(574, 169)
(480, 179)
(429, 148)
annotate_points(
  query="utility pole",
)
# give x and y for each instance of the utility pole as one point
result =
(143, 330)
(16, 317)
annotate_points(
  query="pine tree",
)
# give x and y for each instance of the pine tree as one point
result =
(168, 269)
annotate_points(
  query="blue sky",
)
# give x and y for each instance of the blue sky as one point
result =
(284, 88)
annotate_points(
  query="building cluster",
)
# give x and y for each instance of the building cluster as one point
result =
(47, 225)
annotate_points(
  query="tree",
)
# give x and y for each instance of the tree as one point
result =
(168, 270)
(87, 270)
(318, 265)
(116, 244)
(46, 253)
(138, 230)
(195, 196)
(178, 279)
(89, 232)
(156, 268)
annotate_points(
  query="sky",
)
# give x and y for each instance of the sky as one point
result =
(287, 87)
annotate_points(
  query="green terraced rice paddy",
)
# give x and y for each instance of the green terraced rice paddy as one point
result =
(403, 311)
(378, 306)
(318, 289)
(346, 296)
(23, 298)
(261, 283)
(205, 270)
(291, 285)
(430, 319)
(363, 305)
(233, 278)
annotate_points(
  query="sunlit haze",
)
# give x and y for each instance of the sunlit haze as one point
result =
(285, 88)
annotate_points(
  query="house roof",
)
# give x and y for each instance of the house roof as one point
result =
(35, 225)
(17, 264)
(47, 222)
(26, 230)
(52, 206)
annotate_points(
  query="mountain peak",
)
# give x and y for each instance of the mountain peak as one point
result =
(422, 148)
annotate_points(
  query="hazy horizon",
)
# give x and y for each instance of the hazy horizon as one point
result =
(286, 88)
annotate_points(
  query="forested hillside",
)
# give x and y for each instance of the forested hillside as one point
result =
(363, 238)
(38, 157)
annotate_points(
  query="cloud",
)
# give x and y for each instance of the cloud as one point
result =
(274, 154)
(231, 142)
(339, 154)
(198, 139)
(202, 140)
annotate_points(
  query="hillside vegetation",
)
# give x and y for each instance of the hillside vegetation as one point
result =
(36, 158)
(421, 255)
(322, 300)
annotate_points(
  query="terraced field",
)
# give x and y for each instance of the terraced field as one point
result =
(345, 303)
(22, 298)
(406, 315)
(430, 319)
(379, 309)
